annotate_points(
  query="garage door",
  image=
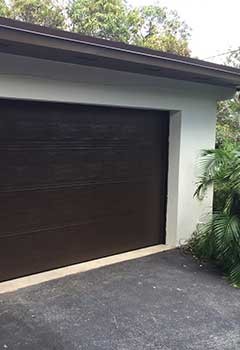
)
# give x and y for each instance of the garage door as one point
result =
(78, 182)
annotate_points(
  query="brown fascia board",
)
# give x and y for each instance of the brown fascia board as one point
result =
(26, 39)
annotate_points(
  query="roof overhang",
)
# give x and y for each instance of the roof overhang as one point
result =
(25, 39)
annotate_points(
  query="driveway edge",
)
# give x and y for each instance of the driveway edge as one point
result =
(23, 282)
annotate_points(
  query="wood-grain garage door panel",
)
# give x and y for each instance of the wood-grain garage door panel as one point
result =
(78, 182)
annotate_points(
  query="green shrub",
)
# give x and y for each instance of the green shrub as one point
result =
(219, 238)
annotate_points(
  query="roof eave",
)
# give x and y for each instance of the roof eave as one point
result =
(34, 43)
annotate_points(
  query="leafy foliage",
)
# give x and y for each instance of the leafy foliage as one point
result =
(228, 114)
(108, 19)
(42, 12)
(228, 122)
(163, 29)
(219, 238)
(3, 9)
(150, 26)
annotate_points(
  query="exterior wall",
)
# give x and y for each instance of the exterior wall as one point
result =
(192, 122)
(191, 130)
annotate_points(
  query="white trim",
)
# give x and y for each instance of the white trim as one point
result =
(173, 177)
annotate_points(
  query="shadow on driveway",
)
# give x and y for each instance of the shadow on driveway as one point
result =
(163, 301)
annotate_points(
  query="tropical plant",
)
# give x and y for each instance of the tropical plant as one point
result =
(218, 239)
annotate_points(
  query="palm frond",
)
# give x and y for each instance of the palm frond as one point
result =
(219, 238)
(234, 275)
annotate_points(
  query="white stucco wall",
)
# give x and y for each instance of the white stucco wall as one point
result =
(192, 122)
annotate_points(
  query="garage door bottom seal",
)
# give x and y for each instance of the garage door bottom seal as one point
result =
(23, 282)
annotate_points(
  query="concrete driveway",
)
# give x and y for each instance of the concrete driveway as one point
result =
(163, 301)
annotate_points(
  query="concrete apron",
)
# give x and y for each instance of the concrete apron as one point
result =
(23, 282)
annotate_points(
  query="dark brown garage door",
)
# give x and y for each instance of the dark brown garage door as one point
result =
(78, 182)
